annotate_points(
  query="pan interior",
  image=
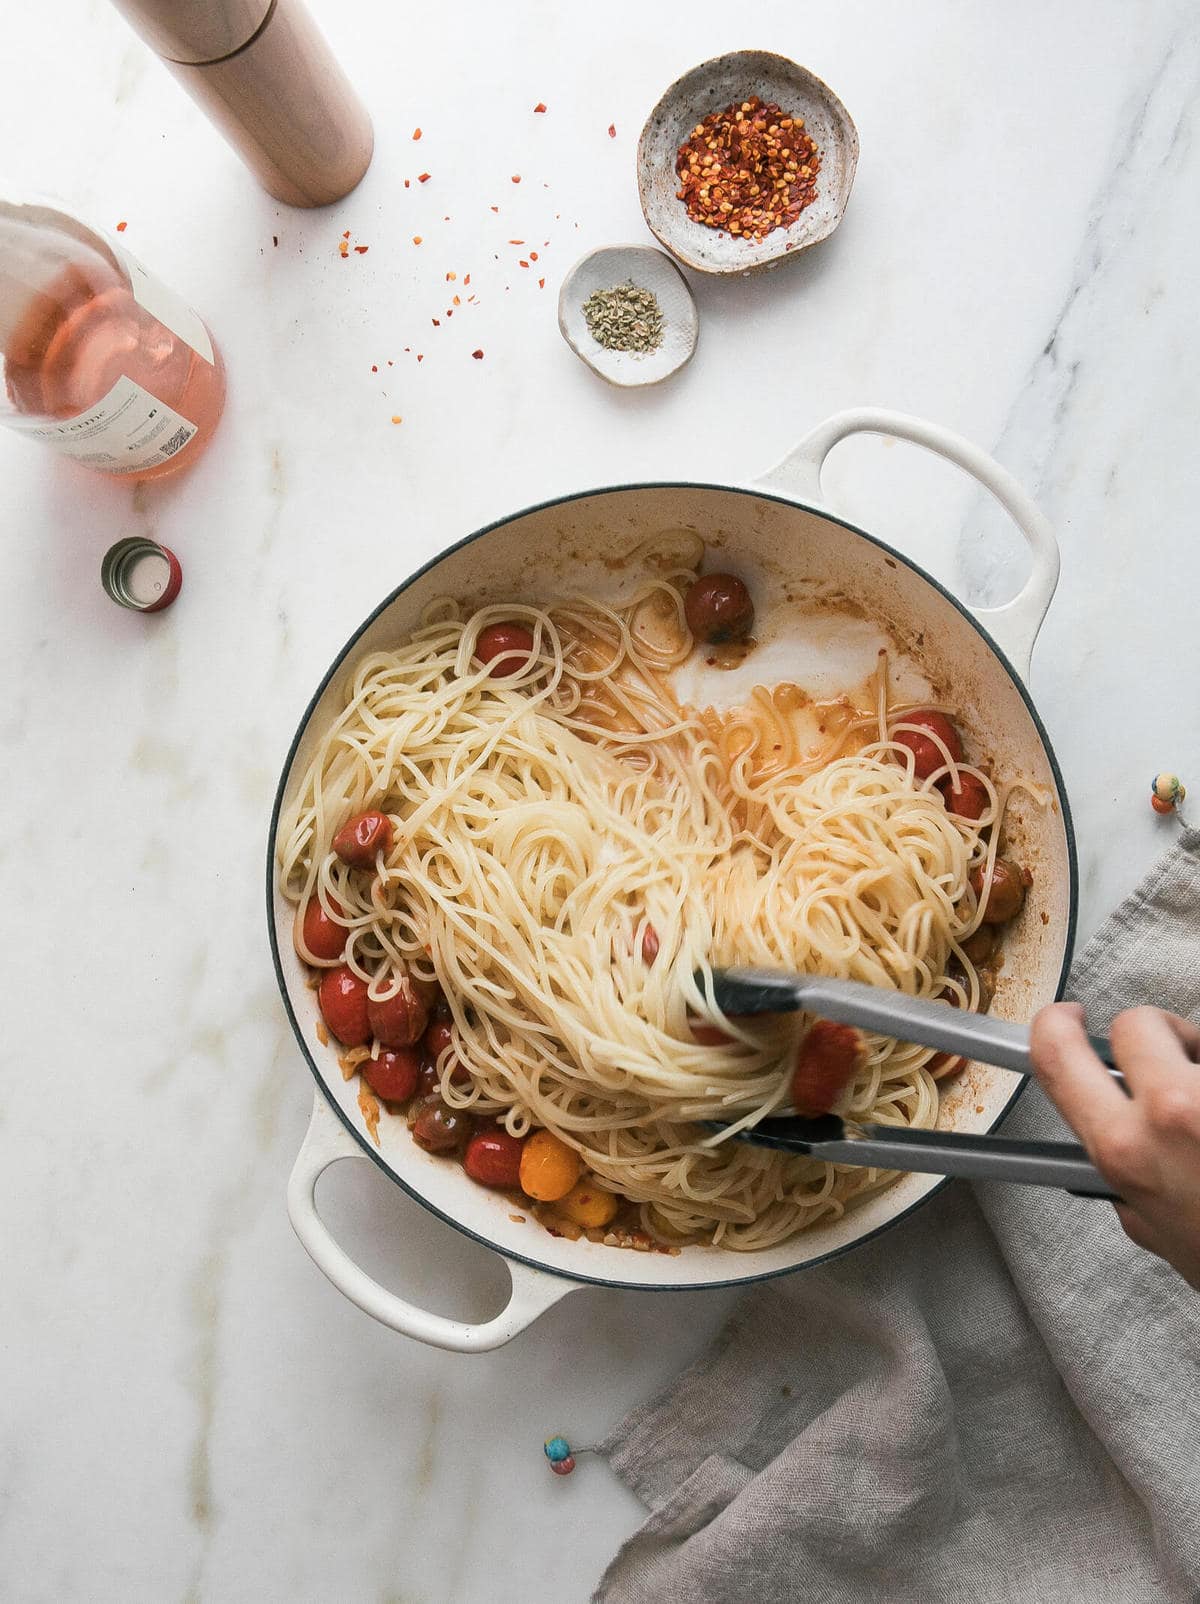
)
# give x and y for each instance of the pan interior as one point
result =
(801, 565)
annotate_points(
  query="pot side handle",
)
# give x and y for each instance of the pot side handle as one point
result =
(1014, 626)
(326, 1142)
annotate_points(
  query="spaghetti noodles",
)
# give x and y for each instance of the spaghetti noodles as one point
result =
(574, 851)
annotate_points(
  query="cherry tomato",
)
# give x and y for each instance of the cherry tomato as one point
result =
(399, 1020)
(343, 1000)
(549, 1168)
(719, 608)
(438, 1128)
(827, 1061)
(969, 798)
(1005, 895)
(394, 1075)
(438, 1036)
(493, 1158)
(322, 938)
(926, 754)
(361, 837)
(505, 648)
(650, 946)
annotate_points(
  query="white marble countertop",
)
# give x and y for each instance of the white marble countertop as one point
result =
(190, 1412)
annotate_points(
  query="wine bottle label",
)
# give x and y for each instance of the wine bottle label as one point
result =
(171, 310)
(127, 431)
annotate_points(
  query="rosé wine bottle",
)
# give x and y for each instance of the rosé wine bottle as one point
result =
(97, 356)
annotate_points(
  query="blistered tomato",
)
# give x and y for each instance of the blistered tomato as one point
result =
(320, 938)
(505, 648)
(969, 798)
(438, 1128)
(343, 1000)
(719, 608)
(399, 1020)
(394, 1074)
(361, 837)
(493, 1158)
(927, 756)
(1005, 892)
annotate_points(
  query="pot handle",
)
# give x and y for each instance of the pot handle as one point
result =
(1014, 626)
(533, 1291)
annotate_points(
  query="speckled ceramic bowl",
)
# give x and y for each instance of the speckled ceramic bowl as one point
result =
(650, 270)
(711, 87)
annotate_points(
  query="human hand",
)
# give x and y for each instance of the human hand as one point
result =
(1147, 1145)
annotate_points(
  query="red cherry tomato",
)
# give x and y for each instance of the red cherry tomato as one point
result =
(493, 1158)
(650, 945)
(827, 1061)
(323, 938)
(719, 608)
(505, 648)
(399, 1020)
(343, 1000)
(394, 1075)
(438, 1036)
(926, 754)
(361, 837)
(969, 798)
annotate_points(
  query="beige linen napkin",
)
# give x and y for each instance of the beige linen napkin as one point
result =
(996, 1401)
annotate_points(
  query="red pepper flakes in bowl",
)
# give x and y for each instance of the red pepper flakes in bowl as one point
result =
(748, 169)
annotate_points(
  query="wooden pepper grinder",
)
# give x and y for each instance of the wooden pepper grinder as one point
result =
(262, 71)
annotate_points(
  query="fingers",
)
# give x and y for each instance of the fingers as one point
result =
(1075, 1080)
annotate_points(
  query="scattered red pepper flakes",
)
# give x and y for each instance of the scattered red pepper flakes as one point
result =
(493, 208)
(423, 178)
(275, 240)
(408, 183)
(396, 418)
(522, 264)
(416, 239)
(374, 367)
(361, 250)
(436, 322)
(516, 242)
(346, 235)
(420, 356)
(450, 277)
(478, 355)
(121, 227)
(449, 311)
(541, 284)
(541, 106)
(466, 281)
(343, 249)
(457, 302)
(416, 133)
(516, 178)
(612, 130)
(533, 256)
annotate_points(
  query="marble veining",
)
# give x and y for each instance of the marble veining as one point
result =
(190, 1411)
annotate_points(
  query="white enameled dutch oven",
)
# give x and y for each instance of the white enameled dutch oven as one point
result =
(772, 532)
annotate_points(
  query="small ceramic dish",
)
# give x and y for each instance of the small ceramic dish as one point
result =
(711, 87)
(650, 270)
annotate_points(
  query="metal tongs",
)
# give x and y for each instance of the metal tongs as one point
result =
(930, 1024)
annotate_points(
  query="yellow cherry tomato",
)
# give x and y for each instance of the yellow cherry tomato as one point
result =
(586, 1204)
(549, 1168)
